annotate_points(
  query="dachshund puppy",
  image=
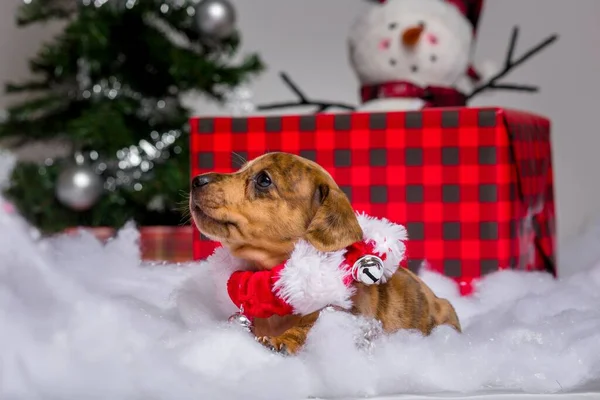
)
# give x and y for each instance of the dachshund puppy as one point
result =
(260, 212)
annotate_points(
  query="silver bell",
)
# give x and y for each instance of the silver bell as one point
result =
(368, 270)
(240, 319)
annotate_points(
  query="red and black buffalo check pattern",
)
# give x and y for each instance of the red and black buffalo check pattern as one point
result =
(473, 186)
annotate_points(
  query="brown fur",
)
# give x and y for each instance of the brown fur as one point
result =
(262, 225)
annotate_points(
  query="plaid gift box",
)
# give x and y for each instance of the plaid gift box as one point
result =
(157, 243)
(473, 186)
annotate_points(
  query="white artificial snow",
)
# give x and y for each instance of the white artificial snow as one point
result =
(79, 320)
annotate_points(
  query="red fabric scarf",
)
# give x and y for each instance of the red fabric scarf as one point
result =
(433, 96)
(252, 291)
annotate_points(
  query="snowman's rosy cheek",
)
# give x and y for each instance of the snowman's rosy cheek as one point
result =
(433, 39)
(384, 44)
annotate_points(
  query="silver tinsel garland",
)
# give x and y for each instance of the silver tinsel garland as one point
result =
(216, 18)
(240, 101)
(81, 182)
(131, 165)
(121, 4)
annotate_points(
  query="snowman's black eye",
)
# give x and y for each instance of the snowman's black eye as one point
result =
(414, 68)
(392, 62)
(421, 24)
(392, 25)
(433, 58)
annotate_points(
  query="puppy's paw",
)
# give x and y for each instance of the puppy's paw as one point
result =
(275, 344)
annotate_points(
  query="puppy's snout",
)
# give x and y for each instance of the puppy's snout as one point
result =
(203, 180)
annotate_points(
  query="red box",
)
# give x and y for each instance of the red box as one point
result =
(473, 186)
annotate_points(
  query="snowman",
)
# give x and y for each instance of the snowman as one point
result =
(415, 54)
(411, 54)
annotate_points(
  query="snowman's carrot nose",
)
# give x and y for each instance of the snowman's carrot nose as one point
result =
(411, 36)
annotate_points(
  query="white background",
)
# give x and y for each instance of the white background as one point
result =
(307, 39)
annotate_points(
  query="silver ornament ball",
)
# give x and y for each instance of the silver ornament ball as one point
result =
(79, 187)
(215, 18)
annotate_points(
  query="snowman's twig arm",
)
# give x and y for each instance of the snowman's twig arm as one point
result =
(302, 100)
(511, 47)
(517, 88)
(531, 52)
(511, 64)
(293, 87)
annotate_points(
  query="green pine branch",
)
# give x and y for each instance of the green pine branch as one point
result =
(37, 11)
(31, 86)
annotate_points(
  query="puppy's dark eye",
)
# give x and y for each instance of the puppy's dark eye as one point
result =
(262, 180)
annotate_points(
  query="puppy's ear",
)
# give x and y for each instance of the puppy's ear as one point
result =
(334, 225)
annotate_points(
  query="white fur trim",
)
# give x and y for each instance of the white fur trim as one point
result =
(312, 280)
(221, 264)
(388, 239)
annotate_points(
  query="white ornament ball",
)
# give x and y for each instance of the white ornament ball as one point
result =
(215, 18)
(79, 187)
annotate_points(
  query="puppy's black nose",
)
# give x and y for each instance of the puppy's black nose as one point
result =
(202, 180)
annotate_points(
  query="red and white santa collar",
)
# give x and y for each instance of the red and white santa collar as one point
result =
(312, 280)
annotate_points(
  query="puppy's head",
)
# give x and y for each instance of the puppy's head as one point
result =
(262, 210)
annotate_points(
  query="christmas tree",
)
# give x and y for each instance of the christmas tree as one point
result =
(110, 84)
